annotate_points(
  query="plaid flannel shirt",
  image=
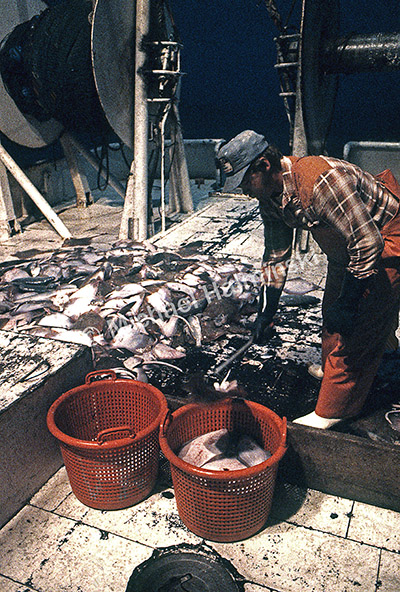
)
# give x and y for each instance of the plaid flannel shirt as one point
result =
(345, 198)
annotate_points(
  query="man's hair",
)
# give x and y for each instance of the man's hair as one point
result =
(274, 155)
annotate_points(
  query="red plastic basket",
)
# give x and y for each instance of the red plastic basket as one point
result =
(224, 506)
(108, 432)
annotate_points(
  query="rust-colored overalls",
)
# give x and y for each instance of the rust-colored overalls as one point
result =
(350, 364)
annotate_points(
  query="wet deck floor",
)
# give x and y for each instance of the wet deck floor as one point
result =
(311, 542)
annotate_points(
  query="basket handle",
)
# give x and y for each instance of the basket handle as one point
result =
(100, 375)
(102, 436)
(165, 423)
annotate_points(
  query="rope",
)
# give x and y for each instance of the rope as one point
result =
(46, 66)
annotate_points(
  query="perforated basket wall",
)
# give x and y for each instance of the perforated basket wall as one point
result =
(224, 506)
(108, 432)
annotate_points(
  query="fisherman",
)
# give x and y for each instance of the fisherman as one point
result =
(353, 216)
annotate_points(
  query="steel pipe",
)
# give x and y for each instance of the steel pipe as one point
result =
(377, 52)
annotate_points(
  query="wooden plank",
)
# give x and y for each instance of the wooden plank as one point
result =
(345, 465)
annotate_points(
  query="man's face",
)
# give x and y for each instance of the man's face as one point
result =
(258, 182)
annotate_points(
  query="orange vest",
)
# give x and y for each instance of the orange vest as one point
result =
(305, 172)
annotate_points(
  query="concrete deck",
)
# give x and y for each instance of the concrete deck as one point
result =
(312, 542)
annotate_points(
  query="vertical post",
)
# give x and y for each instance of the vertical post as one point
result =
(8, 221)
(4, 191)
(134, 216)
(79, 179)
(179, 170)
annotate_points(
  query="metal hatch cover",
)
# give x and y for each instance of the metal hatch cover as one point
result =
(189, 568)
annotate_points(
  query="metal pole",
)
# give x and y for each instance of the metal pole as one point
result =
(34, 194)
(163, 122)
(377, 52)
(134, 217)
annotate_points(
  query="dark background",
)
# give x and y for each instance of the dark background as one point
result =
(231, 83)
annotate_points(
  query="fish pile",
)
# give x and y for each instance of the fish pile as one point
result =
(221, 450)
(131, 299)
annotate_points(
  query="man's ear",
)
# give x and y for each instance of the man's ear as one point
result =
(266, 163)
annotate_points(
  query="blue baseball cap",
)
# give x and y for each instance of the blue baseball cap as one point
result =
(237, 155)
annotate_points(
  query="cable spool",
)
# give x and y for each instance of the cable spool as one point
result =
(46, 66)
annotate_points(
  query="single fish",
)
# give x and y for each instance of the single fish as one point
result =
(136, 267)
(299, 286)
(299, 300)
(113, 304)
(225, 464)
(168, 328)
(38, 331)
(162, 351)
(58, 320)
(81, 300)
(36, 284)
(160, 300)
(126, 291)
(131, 339)
(190, 279)
(162, 257)
(132, 307)
(52, 270)
(74, 336)
(92, 258)
(81, 268)
(31, 297)
(32, 306)
(195, 329)
(182, 288)
(250, 453)
(205, 448)
(14, 274)
(24, 318)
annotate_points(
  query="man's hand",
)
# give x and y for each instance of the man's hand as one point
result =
(341, 315)
(263, 330)
(267, 305)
